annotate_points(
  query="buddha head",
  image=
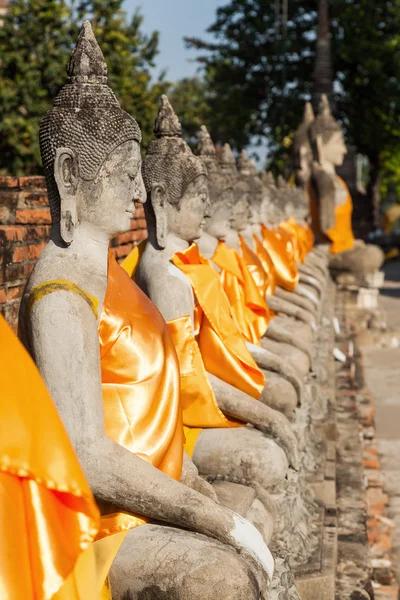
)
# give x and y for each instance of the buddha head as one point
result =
(176, 182)
(248, 171)
(90, 150)
(326, 137)
(302, 155)
(268, 208)
(220, 188)
(241, 190)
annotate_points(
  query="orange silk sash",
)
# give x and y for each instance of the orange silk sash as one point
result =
(140, 381)
(199, 406)
(267, 264)
(341, 234)
(255, 266)
(248, 306)
(48, 514)
(287, 275)
(296, 235)
(222, 346)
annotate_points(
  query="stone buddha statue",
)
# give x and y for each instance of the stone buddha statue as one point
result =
(302, 155)
(331, 203)
(186, 289)
(108, 360)
(278, 393)
(277, 339)
(176, 210)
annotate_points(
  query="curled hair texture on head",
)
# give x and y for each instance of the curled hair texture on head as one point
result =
(301, 135)
(169, 160)
(86, 117)
(324, 125)
(218, 182)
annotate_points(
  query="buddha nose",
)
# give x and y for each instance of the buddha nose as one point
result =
(141, 193)
(207, 212)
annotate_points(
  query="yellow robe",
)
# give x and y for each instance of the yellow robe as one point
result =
(287, 275)
(141, 390)
(48, 514)
(341, 234)
(248, 306)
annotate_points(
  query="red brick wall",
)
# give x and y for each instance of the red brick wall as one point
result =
(24, 231)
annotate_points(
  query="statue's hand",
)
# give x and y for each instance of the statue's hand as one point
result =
(279, 428)
(248, 540)
(190, 477)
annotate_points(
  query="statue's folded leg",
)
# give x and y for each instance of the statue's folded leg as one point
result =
(279, 394)
(298, 328)
(298, 359)
(158, 562)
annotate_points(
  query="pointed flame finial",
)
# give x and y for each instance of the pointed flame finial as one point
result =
(227, 158)
(205, 147)
(167, 123)
(308, 114)
(324, 106)
(87, 64)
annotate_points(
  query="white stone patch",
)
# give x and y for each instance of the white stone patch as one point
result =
(251, 540)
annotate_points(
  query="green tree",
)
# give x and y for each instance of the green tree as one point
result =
(35, 44)
(191, 100)
(260, 71)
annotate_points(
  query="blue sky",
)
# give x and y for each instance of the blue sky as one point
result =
(174, 19)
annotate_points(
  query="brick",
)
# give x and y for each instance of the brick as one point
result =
(124, 238)
(2, 296)
(14, 293)
(141, 224)
(33, 199)
(23, 233)
(18, 271)
(122, 251)
(11, 310)
(9, 182)
(37, 216)
(139, 212)
(377, 500)
(33, 182)
(31, 252)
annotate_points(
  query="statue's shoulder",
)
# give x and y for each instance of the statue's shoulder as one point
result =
(321, 181)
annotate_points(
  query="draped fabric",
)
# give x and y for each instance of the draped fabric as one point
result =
(248, 306)
(48, 517)
(341, 234)
(140, 381)
(255, 267)
(267, 264)
(287, 275)
(221, 344)
(297, 238)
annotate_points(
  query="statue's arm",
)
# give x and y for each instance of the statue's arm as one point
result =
(65, 346)
(325, 194)
(237, 404)
(268, 360)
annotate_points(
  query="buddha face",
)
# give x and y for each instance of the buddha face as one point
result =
(222, 213)
(106, 203)
(334, 150)
(241, 213)
(187, 220)
(302, 165)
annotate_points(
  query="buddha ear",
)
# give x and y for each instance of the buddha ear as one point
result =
(319, 146)
(65, 174)
(159, 200)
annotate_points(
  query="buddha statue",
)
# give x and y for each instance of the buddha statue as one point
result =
(187, 291)
(108, 360)
(277, 338)
(331, 203)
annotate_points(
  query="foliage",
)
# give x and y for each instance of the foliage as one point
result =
(260, 73)
(35, 44)
(190, 98)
